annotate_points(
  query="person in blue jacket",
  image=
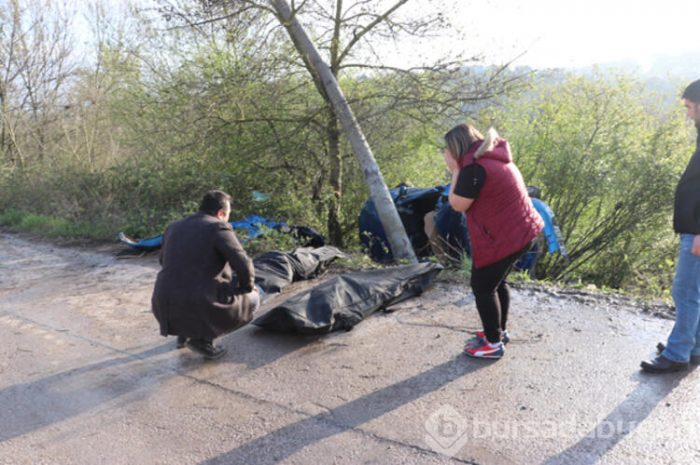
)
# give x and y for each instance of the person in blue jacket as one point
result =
(551, 234)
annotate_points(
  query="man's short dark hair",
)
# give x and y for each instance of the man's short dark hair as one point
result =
(213, 201)
(692, 92)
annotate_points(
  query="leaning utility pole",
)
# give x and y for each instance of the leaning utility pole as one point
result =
(400, 245)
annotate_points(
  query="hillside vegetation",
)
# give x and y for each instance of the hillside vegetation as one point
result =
(131, 140)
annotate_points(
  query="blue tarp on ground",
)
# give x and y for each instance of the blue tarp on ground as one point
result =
(248, 228)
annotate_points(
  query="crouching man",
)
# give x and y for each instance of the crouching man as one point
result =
(195, 296)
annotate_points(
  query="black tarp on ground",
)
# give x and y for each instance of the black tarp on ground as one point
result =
(343, 301)
(275, 270)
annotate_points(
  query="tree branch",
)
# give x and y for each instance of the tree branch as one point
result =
(361, 33)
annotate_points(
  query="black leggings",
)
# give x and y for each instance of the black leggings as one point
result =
(492, 294)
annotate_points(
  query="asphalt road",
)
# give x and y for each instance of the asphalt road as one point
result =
(85, 378)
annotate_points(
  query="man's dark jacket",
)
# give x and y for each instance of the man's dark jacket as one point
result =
(686, 211)
(193, 294)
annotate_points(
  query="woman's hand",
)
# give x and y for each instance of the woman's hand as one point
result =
(450, 161)
(695, 249)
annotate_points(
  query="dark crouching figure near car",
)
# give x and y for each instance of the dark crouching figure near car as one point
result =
(195, 296)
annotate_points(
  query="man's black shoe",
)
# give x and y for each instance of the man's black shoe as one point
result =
(663, 365)
(694, 359)
(206, 348)
(181, 342)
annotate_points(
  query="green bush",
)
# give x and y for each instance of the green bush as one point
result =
(11, 218)
(607, 155)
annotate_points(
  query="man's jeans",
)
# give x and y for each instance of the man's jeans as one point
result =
(684, 339)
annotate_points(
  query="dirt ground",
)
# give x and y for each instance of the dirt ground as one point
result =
(85, 378)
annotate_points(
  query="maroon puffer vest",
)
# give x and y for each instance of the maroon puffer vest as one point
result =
(502, 220)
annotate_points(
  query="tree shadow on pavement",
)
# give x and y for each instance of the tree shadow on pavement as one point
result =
(284, 442)
(621, 422)
(29, 406)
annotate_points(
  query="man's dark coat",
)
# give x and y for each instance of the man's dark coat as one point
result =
(686, 210)
(193, 294)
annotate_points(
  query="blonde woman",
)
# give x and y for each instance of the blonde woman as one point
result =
(502, 224)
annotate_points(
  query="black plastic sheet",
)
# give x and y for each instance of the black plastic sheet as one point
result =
(345, 300)
(276, 270)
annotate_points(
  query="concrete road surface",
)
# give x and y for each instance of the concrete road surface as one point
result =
(85, 378)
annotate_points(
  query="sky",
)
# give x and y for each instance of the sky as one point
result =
(566, 33)
(555, 33)
(573, 33)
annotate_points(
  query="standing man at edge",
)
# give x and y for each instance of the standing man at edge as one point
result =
(195, 296)
(683, 344)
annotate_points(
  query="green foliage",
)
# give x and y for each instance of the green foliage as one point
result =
(520, 277)
(11, 218)
(142, 139)
(466, 266)
(606, 165)
(49, 226)
(269, 239)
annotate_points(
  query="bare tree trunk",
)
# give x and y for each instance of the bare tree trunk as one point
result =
(335, 232)
(391, 222)
(4, 147)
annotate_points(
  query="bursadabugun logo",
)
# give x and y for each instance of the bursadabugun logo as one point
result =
(447, 431)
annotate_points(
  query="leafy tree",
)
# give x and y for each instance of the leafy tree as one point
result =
(348, 34)
(607, 157)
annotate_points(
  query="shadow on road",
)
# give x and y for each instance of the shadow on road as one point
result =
(33, 405)
(284, 442)
(621, 422)
(256, 348)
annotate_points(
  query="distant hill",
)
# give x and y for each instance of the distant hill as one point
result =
(675, 67)
(666, 75)
(686, 66)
